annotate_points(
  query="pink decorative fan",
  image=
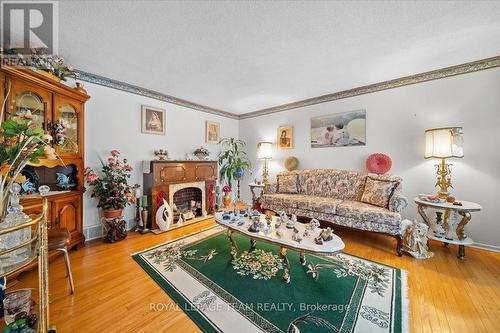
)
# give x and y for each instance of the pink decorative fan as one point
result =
(378, 163)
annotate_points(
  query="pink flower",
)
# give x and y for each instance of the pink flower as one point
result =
(111, 160)
(91, 177)
(116, 166)
(115, 152)
(128, 167)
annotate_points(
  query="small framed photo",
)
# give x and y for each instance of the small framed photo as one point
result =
(285, 137)
(212, 132)
(153, 120)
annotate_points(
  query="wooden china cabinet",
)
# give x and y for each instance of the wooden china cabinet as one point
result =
(51, 102)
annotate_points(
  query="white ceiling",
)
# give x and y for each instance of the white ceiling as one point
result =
(245, 56)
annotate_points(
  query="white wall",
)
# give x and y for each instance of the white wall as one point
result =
(113, 121)
(396, 120)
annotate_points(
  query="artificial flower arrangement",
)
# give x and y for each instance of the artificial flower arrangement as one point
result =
(39, 60)
(21, 144)
(226, 189)
(111, 187)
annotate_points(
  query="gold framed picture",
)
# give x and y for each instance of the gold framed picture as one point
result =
(285, 137)
(153, 120)
(212, 132)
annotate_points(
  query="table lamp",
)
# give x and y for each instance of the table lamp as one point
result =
(264, 150)
(444, 143)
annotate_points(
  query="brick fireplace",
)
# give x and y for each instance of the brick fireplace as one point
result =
(187, 201)
(180, 183)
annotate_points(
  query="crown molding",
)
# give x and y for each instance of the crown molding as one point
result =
(119, 85)
(442, 73)
(437, 74)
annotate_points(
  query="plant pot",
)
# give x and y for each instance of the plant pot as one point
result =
(226, 200)
(112, 213)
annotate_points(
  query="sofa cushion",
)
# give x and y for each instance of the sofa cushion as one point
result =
(378, 192)
(288, 183)
(317, 204)
(332, 183)
(278, 200)
(367, 212)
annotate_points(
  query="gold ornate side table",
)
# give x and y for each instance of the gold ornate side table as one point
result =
(449, 230)
(255, 197)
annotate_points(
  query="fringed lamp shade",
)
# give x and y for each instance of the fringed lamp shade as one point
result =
(444, 142)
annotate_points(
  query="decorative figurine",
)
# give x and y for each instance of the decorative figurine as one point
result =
(201, 153)
(305, 233)
(161, 154)
(295, 236)
(290, 223)
(49, 153)
(164, 216)
(326, 234)
(255, 226)
(226, 216)
(64, 181)
(318, 240)
(415, 239)
(313, 224)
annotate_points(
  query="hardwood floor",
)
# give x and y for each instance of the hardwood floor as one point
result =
(113, 294)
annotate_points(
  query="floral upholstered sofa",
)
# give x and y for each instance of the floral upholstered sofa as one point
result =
(346, 198)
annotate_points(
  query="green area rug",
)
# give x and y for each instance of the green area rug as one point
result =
(349, 294)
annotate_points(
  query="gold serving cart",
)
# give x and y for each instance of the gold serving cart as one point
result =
(38, 244)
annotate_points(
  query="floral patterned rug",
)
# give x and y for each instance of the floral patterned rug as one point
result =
(342, 293)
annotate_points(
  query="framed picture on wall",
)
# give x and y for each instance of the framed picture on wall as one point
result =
(285, 137)
(212, 132)
(153, 120)
(339, 129)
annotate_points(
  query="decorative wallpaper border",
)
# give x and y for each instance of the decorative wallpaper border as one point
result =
(119, 85)
(442, 73)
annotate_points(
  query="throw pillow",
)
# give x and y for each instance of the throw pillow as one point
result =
(378, 192)
(288, 183)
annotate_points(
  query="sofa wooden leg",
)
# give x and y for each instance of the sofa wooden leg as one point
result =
(399, 245)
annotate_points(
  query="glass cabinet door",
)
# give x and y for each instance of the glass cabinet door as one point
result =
(67, 127)
(68, 121)
(26, 99)
(28, 102)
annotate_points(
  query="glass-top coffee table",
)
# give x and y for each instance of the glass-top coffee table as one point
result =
(278, 234)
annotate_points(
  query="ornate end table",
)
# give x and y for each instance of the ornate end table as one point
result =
(445, 229)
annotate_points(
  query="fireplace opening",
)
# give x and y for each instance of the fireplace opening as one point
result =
(187, 204)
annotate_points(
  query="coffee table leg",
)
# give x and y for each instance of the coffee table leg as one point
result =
(253, 243)
(302, 258)
(234, 249)
(286, 275)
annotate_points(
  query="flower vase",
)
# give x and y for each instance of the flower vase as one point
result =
(226, 199)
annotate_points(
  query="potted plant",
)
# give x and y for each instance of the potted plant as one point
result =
(233, 161)
(112, 188)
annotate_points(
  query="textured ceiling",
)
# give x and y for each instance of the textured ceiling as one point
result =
(245, 56)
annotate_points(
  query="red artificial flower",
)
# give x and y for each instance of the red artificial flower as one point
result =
(226, 189)
(115, 152)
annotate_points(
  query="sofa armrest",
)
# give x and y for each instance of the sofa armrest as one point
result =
(270, 188)
(397, 203)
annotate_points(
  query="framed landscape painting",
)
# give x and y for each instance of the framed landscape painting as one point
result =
(339, 130)
(285, 137)
(212, 132)
(153, 120)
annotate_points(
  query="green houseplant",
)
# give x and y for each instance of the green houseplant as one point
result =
(233, 161)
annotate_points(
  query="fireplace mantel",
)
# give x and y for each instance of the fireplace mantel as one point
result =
(160, 175)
